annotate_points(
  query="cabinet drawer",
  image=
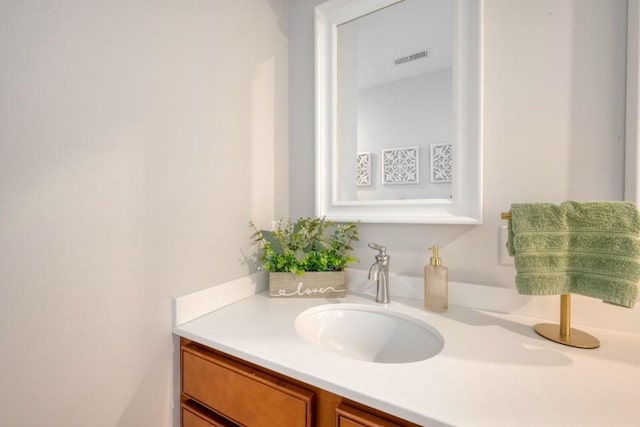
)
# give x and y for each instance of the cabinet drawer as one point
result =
(241, 393)
(348, 416)
(195, 415)
(189, 419)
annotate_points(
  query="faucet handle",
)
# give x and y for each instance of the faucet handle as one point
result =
(377, 247)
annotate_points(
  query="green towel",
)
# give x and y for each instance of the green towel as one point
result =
(587, 248)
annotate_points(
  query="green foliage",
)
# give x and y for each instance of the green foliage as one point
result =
(309, 244)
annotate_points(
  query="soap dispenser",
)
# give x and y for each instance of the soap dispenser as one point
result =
(436, 284)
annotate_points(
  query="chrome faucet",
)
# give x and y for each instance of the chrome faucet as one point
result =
(380, 270)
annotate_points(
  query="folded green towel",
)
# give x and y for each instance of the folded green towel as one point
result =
(587, 248)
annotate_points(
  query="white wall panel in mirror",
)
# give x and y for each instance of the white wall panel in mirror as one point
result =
(401, 82)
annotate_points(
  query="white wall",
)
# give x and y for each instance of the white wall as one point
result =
(416, 111)
(554, 86)
(137, 140)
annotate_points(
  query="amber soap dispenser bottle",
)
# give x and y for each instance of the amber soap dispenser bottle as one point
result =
(436, 284)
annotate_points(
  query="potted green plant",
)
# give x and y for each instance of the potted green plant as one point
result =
(306, 257)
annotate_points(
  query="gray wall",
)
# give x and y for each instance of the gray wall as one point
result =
(554, 97)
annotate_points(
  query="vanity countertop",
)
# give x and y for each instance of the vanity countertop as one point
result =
(494, 370)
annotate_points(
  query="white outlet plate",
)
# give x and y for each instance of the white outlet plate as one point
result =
(503, 255)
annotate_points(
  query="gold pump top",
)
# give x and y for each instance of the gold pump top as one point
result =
(435, 259)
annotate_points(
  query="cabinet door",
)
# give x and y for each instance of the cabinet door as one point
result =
(243, 394)
(348, 416)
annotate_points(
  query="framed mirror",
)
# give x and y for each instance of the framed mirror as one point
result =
(398, 111)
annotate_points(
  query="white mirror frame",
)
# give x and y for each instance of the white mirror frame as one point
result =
(632, 161)
(465, 207)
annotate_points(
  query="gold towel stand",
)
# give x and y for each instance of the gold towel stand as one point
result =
(563, 333)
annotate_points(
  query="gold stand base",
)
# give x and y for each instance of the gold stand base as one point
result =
(574, 338)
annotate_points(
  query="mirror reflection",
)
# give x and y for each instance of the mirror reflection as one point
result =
(395, 121)
(398, 111)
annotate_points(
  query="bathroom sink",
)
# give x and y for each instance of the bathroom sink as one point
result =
(369, 333)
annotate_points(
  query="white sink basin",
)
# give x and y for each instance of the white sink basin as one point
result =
(369, 333)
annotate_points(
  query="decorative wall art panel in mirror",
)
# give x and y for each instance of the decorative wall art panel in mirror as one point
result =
(400, 165)
(441, 163)
(399, 80)
(364, 169)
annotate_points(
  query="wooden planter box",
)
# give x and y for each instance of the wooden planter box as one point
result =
(313, 284)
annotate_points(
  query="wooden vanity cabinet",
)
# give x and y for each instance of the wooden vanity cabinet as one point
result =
(242, 394)
(220, 390)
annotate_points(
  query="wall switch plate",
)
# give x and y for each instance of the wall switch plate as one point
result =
(503, 255)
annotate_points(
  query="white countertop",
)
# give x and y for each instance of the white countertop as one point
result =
(494, 370)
